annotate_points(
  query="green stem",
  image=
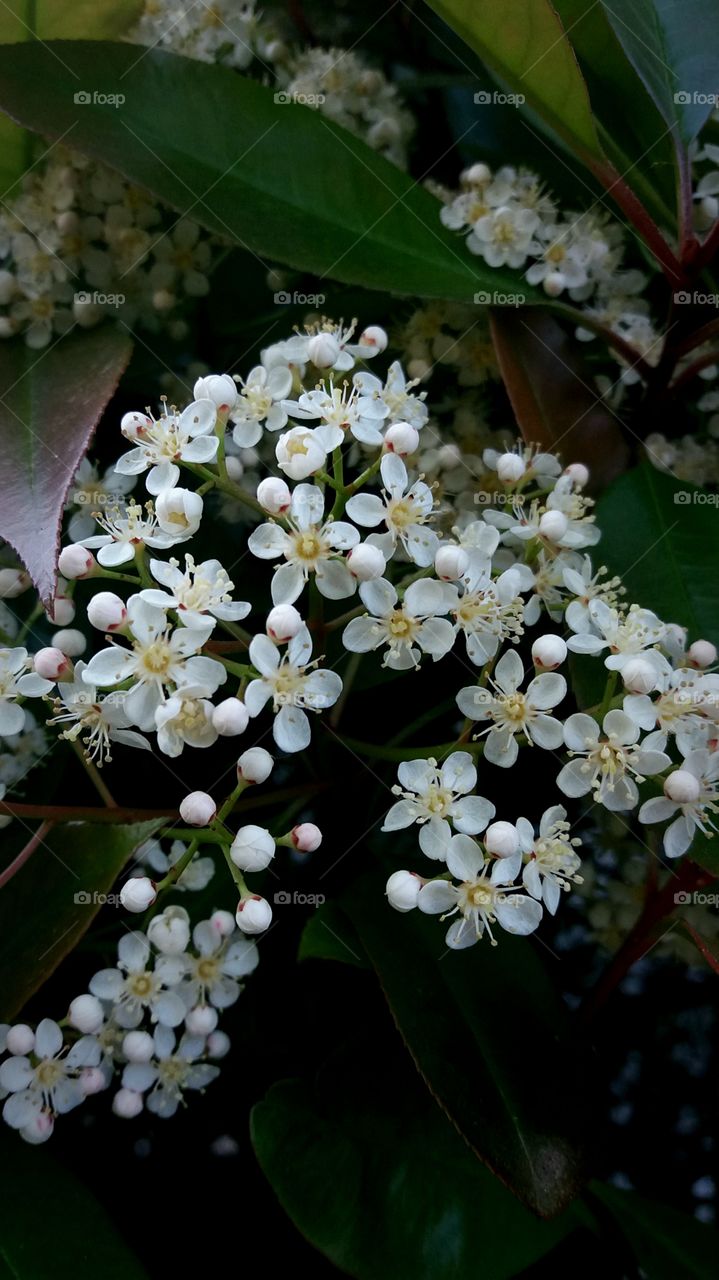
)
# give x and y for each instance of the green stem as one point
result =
(93, 774)
(181, 865)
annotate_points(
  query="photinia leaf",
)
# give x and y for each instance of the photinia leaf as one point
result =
(53, 899)
(667, 1243)
(328, 935)
(50, 404)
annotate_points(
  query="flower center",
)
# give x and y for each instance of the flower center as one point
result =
(49, 1073)
(157, 658)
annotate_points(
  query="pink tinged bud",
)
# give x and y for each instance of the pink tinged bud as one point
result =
(230, 718)
(127, 1104)
(13, 582)
(306, 837)
(403, 890)
(86, 1014)
(702, 654)
(198, 809)
(134, 425)
(553, 526)
(138, 1046)
(273, 495)
(578, 474)
(138, 894)
(366, 562)
(92, 1080)
(252, 848)
(202, 1020)
(682, 787)
(20, 1039)
(107, 612)
(510, 468)
(71, 642)
(223, 922)
(255, 765)
(39, 1129)
(220, 388)
(283, 622)
(323, 350)
(640, 676)
(52, 664)
(76, 562)
(549, 652)
(218, 1045)
(374, 336)
(254, 915)
(451, 563)
(501, 839)
(401, 438)
(62, 611)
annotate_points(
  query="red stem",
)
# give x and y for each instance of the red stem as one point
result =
(33, 843)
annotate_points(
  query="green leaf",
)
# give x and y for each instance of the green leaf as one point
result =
(488, 1034)
(328, 935)
(667, 1243)
(51, 902)
(660, 535)
(277, 178)
(52, 1225)
(674, 48)
(374, 1176)
(50, 404)
(524, 43)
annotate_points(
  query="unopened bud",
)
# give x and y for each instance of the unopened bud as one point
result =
(273, 495)
(283, 622)
(639, 676)
(127, 1104)
(138, 894)
(366, 562)
(403, 890)
(252, 849)
(198, 809)
(553, 525)
(13, 582)
(70, 642)
(682, 787)
(138, 1046)
(76, 562)
(510, 468)
(230, 718)
(401, 438)
(549, 652)
(255, 765)
(106, 611)
(306, 837)
(86, 1014)
(202, 1020)
(702, 654)
(323, 350)
(254, 914)
(451, 562)
(501, 839)
(52, 664)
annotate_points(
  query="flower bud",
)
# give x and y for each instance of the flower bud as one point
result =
(202, 1020)
(252, 848)
(61, 611)
(70, 642)
(373, 336)
(169, 932)
(138, 1046)
(702, 654)
(39, 1129)
(283, 622)
(401, 438)
(273, 495)
(135, 425)
(13, 582)
(451, 562)
(106, 611)
(220, 388)
(52, 664)
(477, 174)
(223, 922)
(76, 562)
(254, 914)
(306, 837)
(127, 1104)
(255, 765)
(20, 1039)
(92, 1080)
(682, 787)
(553, 525)
(403, 890)
(639, 676)
(501, 839)
(578, 474)
(86, 1014)
(179, 511)
(138, 894)
(510, 468)
(230, 718)
(554, 284)
(198, 809)
(323, 350)
(234, 467)
(549, 652)
(218, 1045)
(366, 562)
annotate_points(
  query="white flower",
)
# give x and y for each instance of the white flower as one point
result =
(123, 533)
(203, 588)
(49, 1083)
(293, 685)
(513, 712)
(587, 585)
(196, 876)
(212, 976)
(300, 452)
(437, 795)
(550, 862)
(133, 987)
(160, 656)
(160, 443)
(181, 721)
(89, 490)
(608, 765)
(489, 611)
(341, 410)
(396, 395)
(703, 766)
(97, 721)
(688, 707)
(17, 680)
(260, 402)
(174, 1068)
(405, 510)
(481, 899)
(625, 635)
(310, 544)
(504, 236)
(409, 628)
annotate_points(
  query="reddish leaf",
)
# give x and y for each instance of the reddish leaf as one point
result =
(552, 396)
(50, 404)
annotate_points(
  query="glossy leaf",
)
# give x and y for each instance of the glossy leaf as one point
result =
(328, 935)
(51, 902)
(276, 177)
(667, 1243)
(50, 404)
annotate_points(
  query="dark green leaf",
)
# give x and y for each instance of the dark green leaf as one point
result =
(667, 1243)
(328, 935)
